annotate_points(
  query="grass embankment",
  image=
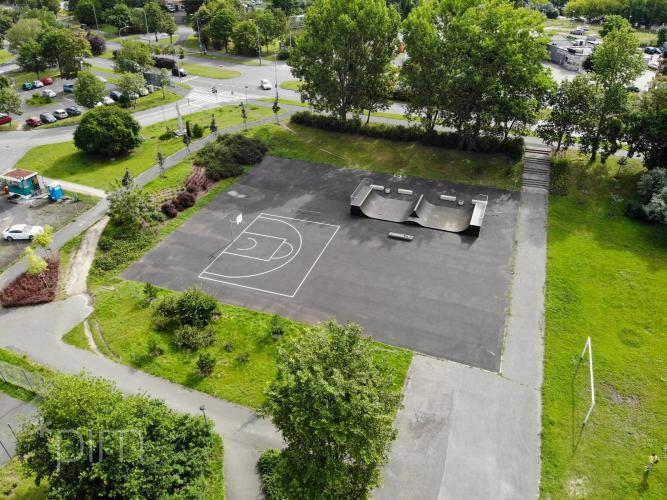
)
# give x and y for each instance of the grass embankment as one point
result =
(291, 85)
(63, 161)
(209, 71)
(380, 155)
(606, 279)
(6, 56)
(15, 484)
(38, 100)
(21, 77)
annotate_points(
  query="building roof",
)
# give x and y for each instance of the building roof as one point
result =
(18, 174)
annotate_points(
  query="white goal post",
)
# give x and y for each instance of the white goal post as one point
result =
(588, 347)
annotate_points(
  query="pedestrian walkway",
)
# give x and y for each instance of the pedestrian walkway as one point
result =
(536, 165)
(77, 188)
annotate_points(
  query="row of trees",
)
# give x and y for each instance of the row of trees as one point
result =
(642, 12)
(597, 112)
(222, 21)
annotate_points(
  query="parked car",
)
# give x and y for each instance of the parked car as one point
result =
(143, 91)
(27, 86)
(22, 232)
(652, 50)
(133, 96)
(115, 95)
(47, 118)
(577, 31)
(632, 88)
(48, 93)
(60, 114)
(102, 79)
(33, 122)
(47, 80)
(68, 88)
(107, 100)
(179, 72)
(98, 104)
(37, 84)
(265, 84)
(5, 118)
(150, 88)
(73, 111)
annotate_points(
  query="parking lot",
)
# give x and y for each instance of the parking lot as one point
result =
(282, 240)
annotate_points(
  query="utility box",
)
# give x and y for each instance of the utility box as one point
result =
(55, 191)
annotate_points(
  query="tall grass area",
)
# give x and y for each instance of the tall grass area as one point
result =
(380, 155)
(607, 278)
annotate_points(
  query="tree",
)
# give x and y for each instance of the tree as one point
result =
(191, 6)
(276, 108)
(86, 11)
(10, 101)
(119, 16)
(616, 64)
(97, 44)
(45, 239)
(128, 205)
(66, 48)
(245, 37)
(133, 56)
(289, 7)
(108, 131)
(36, 264)
(130, 83)
(22, 31)
(46, 17)
(6, 22)
(153, 14)
(271, 23)
(222, 26)
(613, 22)
(346, 46)
(52, 6)
(89, 90)
(30, 57)
(86, 429)
(168, 25)
(646, 132)
(334, 404)
(570, 105)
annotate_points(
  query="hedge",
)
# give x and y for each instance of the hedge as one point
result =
(487, 144)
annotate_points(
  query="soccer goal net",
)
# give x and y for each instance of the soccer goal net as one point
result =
(588, 348)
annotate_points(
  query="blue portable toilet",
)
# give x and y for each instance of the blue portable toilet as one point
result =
(55, 191)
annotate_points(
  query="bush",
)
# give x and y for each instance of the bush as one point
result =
(243, 358)
(205, 364)
(276, 326)
(512, 148)
(150, 292)
(166, 307)
(195, 308)
(168, 209)
(559, 175)
(634, 210)
(245, 150)
(218, 162)
(109, 131)
(652, 203)
(185, 199)
(268, 466)
(197, 131)
(192, 338)
(97, 44)
(154, 349)
(122, 247)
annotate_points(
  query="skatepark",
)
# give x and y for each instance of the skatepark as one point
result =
(284, 239)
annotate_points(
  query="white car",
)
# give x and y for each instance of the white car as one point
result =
(107, 100)
(22, 232)
(37, 84)
(48, 93)
(143, 91)
(265, 84)
(102, 79)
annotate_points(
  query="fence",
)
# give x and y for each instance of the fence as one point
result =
(25, 379)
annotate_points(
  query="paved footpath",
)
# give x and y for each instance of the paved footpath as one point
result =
(41, 327)
(466, 433)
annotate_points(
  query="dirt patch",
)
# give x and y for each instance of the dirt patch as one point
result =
(578, 488)
(29, 289)
(79, 266)
(616, 397)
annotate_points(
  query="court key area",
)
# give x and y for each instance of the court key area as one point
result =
(282, 240)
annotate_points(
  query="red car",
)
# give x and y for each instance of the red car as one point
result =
(33, 122)
(47, 80)
(5, 118)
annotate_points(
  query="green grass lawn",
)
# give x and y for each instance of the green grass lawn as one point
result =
(606, 279)
(21, 77)
(38, 100)
(77, 337)
(18, 485)
(127, 327)
(291, 85)
(63, 161)
(379, 155)
(6, 56)
(107, 54)
(209, 71)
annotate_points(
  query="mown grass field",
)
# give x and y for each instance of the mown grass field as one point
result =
(606, 279)
(63, 161)
(209, 71)
(379, 155)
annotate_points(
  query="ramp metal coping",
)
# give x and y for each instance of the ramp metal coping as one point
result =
(416, 207)
(361, 191)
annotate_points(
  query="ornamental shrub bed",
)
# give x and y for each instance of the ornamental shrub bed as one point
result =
(30, 289)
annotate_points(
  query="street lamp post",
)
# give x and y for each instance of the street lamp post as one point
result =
(146, 21)
(203, 411)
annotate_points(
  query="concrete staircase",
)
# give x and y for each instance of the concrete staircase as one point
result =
(536, 164)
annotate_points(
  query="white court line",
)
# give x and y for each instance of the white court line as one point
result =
(230, 244)
(269, 217)
(273, 255)
(253, 245)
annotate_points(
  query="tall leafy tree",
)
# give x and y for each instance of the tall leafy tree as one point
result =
(130, 83)
(10, 101)
(334, 404)
(245, 37)
(616, 64)
(168, 25)
(6, 22)
(133, 56)
(119, 16)
(30, 57)
(66, 48)
(153, 14)
(646, 132)
(289, 7)
(89, 90)
(22, 31)
(108, 131)
(222, 26)
(570, 105)
(346, 45)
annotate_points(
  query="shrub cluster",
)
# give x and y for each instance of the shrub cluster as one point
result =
(192, 338)
(558, 177)
(513, 148)
(191, 307)
(652, 203)
(226, 156)
(120, 246)
(29, 289)
(268, 466)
